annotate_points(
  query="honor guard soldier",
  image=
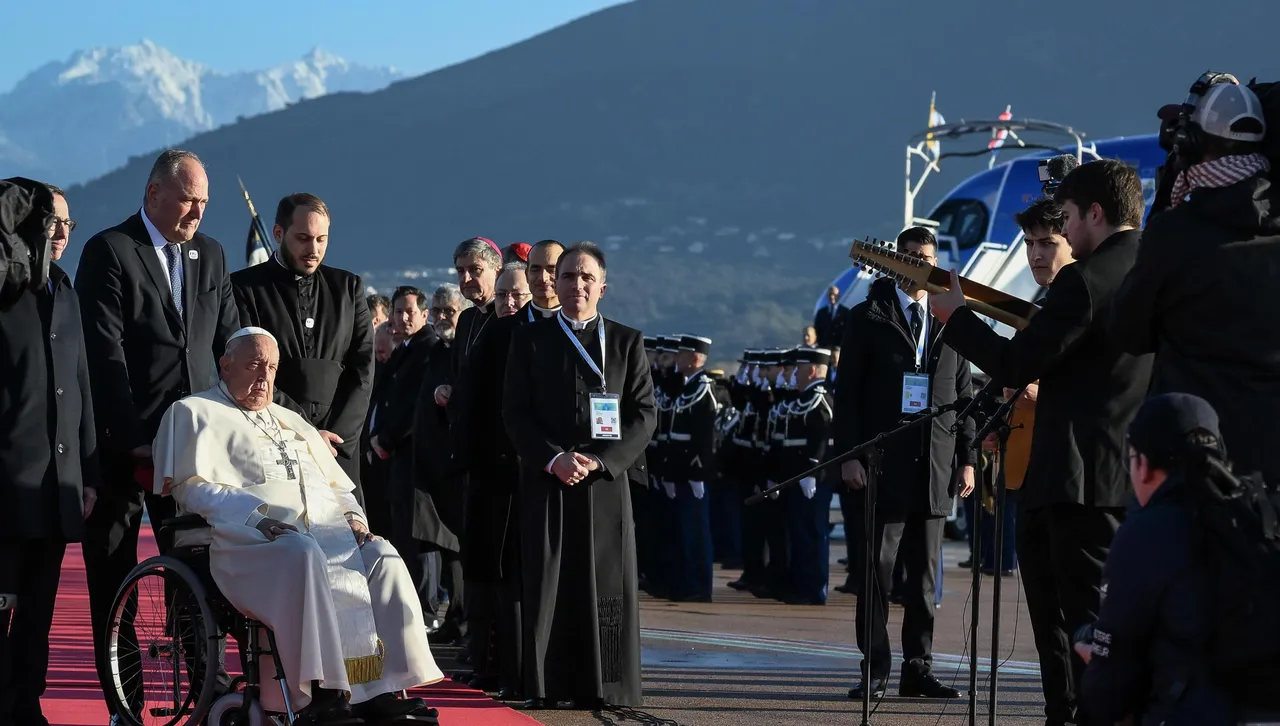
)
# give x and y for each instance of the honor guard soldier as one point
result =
(775, 518)
(726, 505)
(690, 466)
(663, 493)
(743, 460)
(766, 373)
(808, 432)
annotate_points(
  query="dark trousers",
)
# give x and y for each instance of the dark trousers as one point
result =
(662, 514)
(917, 542)
(1061, 548)
(810, 542)
(448, 575)
(484, 610)
(753, 534)
(29, 571)
(510, 651)
(726, 522)
(777, 572)
(693, 516)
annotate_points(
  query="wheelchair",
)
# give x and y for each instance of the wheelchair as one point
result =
(168, 620)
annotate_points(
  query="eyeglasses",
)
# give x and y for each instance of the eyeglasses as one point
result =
(70, 224)
(512, 295)
(448, 312)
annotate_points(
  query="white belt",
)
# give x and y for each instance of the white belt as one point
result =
(795, 442)
(680, 437)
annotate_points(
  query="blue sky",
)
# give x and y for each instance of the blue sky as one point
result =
(230, 35)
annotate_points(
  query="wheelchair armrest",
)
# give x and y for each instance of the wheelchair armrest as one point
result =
(186, 521)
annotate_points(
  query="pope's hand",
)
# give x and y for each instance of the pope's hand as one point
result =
(377, 449)
(442, 394)
(331, 439)
(362, 533)
(568, 470)
(272, 528)
(944, 304)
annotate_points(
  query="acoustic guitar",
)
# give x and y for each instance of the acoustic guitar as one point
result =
(883, 259)
(1017, 453)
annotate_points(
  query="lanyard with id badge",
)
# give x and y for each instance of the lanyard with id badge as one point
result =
(605, 407)
(915, 386)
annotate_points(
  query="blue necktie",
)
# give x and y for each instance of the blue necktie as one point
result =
(171, 252)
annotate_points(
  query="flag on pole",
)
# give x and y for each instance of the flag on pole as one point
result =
(255, 252)
(935, 119)
(999, 135)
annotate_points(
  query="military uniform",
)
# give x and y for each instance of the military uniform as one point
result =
(662, 493)
(808, 432)
(745, 455)
(690, 465)
(778, 570)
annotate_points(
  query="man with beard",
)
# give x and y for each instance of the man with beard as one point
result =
(577, 436)
(391, 432)
(321, 322)
(436, 510)
(492, 551)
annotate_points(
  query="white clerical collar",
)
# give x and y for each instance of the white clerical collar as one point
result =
(544, 312)
(280, 262)
(157, 239)
(906, 301)
(578, 324)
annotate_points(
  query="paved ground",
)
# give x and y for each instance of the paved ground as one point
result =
(741, 661)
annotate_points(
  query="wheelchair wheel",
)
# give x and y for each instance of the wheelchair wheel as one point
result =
(229, 711)
(161, 643)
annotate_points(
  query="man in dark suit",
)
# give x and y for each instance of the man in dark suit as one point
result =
(893, 361)
(48, 465)
(828, 320)
(579, 408)
(157, 309)
(320, 317)
(1076, 485)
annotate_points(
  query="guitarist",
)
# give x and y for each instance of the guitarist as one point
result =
(1076, 485)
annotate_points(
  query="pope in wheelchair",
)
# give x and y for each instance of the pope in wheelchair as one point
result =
(290, 547)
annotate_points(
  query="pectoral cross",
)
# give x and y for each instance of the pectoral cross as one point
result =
(285, 461)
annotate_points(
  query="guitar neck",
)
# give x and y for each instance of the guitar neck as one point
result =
(989, 297)
(995, 312)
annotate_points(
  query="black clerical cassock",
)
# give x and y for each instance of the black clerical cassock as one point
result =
(322, 325)
(581, 614)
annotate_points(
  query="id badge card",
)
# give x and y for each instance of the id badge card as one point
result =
(915, 392)
(606, 416)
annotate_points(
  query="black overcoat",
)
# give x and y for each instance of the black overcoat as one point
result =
(46, 412)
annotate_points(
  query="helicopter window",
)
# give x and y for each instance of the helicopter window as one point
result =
(964, 219)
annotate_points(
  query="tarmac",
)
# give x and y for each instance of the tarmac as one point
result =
(742, 661)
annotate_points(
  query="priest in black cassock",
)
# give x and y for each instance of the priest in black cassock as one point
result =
(578, 405)
(321, 319)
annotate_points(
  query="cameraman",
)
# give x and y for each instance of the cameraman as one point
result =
(1156, 621)
(1200, 294)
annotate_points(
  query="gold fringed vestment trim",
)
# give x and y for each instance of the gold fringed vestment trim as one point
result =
(366, 668)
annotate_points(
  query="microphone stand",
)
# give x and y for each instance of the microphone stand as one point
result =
(874, 450)
(999, 425)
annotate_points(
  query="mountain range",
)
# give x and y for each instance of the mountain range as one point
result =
(725, 152)
(74, 120)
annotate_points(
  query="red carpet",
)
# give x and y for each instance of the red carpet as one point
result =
(75, 698)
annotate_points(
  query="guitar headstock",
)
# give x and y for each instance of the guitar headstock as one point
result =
(884, 260)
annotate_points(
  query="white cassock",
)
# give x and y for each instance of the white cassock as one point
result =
(344, 615)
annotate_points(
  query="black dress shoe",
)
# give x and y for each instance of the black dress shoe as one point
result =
(390, 706)
(509, 694)
(327, 706)
(877, 689)
(739, 584)
(925, 686)
(966, 565)
(535, 704)
(846, 589)
(843, 561)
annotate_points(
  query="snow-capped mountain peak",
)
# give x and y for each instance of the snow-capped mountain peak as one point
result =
(73, 120)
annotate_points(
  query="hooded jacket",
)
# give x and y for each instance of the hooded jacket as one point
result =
(1202, 298)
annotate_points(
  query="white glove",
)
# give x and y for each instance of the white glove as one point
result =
(809, 486)
(671, 489)
(699, 489)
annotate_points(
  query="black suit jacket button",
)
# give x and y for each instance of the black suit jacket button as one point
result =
(61, 448)
(187, 351)
(53, 336)
(59, 391)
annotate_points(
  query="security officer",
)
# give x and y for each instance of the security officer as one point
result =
(1147, 657)
(808, 432)
(663, 494)
(745, 458)
(690, 466)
